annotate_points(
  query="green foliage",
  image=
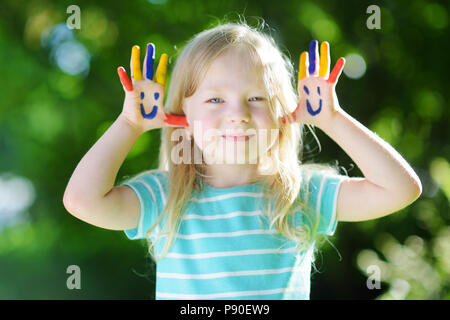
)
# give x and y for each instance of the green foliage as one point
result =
(49, 118)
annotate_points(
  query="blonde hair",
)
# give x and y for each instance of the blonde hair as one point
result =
(281, 183)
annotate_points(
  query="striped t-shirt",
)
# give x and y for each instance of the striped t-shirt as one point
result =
(224, 248)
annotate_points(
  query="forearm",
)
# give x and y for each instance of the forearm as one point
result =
(380, 163)
(96, 173)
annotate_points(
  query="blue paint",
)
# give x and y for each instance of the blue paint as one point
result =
(312, 56)
(305, 88)
(318, 90)
(142, 96)
(311, 110)
(150, 60)
(156, 95)
(150, 115)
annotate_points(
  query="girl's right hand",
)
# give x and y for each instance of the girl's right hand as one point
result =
(143, 106)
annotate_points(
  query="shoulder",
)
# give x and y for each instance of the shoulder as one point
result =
(315, 178)
(155, 175)
(150, 183)
(312, 172)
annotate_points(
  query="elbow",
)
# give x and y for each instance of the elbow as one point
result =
(418, 190)
(415, 190)
(70, 203)
(417, 187)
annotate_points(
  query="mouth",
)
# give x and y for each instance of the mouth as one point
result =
(236, 138)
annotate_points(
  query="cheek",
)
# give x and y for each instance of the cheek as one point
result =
(263, 119)
(204, 129)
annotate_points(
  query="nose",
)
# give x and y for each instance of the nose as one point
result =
(238, 113)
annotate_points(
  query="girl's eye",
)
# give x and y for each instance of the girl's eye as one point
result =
(217, 100)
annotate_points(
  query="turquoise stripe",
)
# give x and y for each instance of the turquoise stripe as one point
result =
(242, 223)
(227, 264)
(328, 205)
(241, 203)
(147, 211)
(224, 285)
(276, 296)
(219, 244)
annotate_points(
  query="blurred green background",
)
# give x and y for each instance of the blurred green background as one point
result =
(60, 91)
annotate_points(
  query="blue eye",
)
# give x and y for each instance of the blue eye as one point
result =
(213, 99)
(260, 98)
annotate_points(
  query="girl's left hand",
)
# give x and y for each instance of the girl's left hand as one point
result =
(317, 102)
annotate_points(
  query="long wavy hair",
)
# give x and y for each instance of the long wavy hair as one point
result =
(280, 167)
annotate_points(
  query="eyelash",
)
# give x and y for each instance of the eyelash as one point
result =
(261, 99)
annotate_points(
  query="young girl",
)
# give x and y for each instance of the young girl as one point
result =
(235, 229)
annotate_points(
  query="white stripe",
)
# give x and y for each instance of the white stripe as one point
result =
(230, 195)
(227, 274)
(224, 234)
(225, 294)
(228, 253)
(222, 216)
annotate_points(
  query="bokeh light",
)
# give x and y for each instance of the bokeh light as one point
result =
(72, 58)
(68, 54)
(17, 194)
(435, 15)
(355, 66)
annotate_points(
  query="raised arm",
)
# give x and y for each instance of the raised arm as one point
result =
(389, 182)
(90, 194)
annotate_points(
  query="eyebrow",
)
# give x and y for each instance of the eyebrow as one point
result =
(219, 87)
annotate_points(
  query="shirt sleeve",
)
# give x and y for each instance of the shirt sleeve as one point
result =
(150, 192)
(322, 191)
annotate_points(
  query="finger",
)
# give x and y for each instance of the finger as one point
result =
(337, 70)
(136, 73)
(161, 71)
(149, 60)
(324, 59)
(313, 58)
(124, 79)
(179, 121)
(303, 67)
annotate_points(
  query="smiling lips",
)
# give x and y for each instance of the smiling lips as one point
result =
(236, 138)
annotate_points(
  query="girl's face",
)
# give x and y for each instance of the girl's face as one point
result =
(228, 115)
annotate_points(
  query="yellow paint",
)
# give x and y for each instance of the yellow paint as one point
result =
(161, 71)
(303, 67)
(136, 61)
(324, 59)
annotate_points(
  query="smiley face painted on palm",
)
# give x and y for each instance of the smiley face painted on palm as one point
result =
(315, 84)
(152, 113)
(146, 89)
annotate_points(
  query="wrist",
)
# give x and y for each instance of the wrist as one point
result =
(332, 122)
(123, 121)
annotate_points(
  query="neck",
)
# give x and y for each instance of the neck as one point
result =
(227, 176)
